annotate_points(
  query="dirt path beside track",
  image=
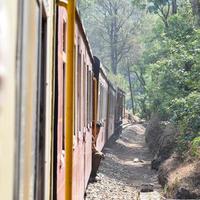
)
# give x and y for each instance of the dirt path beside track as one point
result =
(125, 168)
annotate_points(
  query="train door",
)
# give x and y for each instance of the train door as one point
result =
(95, 103)
(30, 101)
(59, 148)
(8, 40)
(88, 125)
(41, 88)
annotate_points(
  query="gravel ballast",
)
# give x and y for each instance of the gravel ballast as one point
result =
(126, 168)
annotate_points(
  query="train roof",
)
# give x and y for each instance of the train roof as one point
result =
(122, 91)
(98, 68)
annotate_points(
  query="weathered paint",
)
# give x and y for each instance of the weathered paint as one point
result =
(8, 35)
(83, 133)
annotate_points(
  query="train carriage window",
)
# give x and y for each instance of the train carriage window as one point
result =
(113, 102)
(101, 102)
(63, 117)
(75, 93)
(88, 95)
(84, 94)
(91, 96)
(64, 35)
(79, 89)
(105, 101)
(102, 111)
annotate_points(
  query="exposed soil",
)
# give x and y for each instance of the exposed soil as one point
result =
(126, 168)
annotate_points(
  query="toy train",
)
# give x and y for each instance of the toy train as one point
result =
(52, 89)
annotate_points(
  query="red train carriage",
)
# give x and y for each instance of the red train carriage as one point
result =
(82, 149)
(82, 138)
(60, 87)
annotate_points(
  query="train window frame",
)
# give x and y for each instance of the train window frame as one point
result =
(84, 92)
(75, 92)
(64, 106)
(79, 88)
(64, 36)
(88, 94)
(28, 157)
(91, 99)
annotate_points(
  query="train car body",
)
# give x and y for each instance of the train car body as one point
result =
(102, 102)
(112, 99)
(60, 104)
(82, 136)
(34, 99)
(119, 108)
(82, 149)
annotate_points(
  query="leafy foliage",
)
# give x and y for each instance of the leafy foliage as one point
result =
(159, 66)
(172, 61)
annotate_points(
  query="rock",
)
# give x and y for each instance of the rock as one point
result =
(167, 142)
(155, 163)
(166, 167)
(150, 196)
(184, 193)
(137, 160)
(146, 188)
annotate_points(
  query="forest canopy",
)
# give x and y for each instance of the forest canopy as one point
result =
(152, 48)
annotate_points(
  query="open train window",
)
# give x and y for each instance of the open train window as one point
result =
(79, 89)
(84, 94)
(88, 95)
(41, 113)
(75, 93)
(101, 108)
(64, 35)
(91, 97)
(63, 117)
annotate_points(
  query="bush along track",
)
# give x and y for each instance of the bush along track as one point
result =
(175, 159)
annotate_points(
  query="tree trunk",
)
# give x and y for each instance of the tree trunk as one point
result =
(131, 91)
(196, 10)
(166, 23)
(174, 7)
(113, 45)
(113, 67)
